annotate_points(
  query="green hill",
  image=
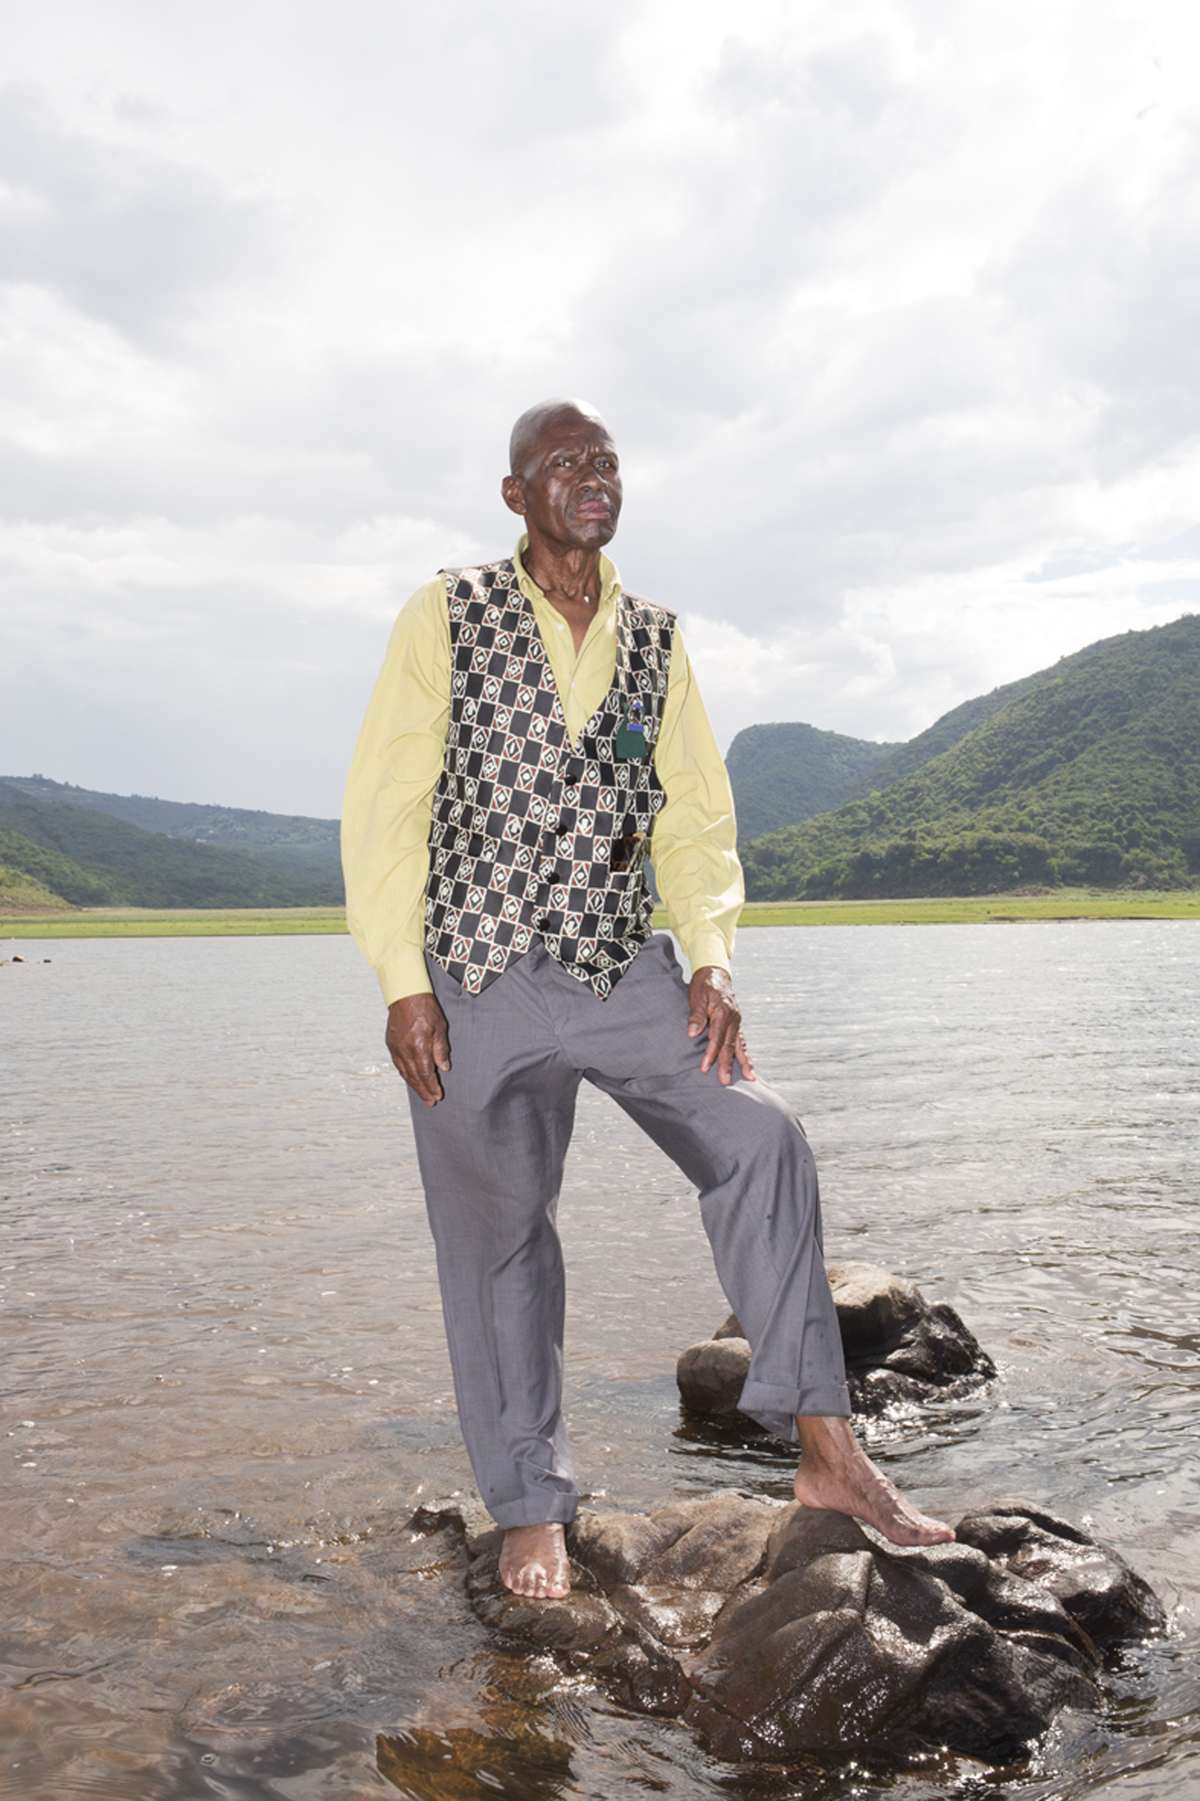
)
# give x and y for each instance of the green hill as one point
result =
(782, 774)
(63, 877)
(307, 846)
(92, 859)
(1086, 772)
(953, 727)
(23, 893)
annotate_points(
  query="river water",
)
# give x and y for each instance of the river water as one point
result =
(226, 1388)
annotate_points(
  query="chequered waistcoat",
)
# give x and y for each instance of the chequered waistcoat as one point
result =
(527, 828)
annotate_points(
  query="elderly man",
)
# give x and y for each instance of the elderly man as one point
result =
(535, 731)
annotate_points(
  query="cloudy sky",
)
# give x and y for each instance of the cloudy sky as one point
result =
(891, 305)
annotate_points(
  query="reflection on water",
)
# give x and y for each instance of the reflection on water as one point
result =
(226, 1386)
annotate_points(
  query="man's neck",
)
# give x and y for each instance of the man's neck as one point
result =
(570, 580)
(563, 572)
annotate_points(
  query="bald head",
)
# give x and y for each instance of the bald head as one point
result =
(566, 478)
(527, 433)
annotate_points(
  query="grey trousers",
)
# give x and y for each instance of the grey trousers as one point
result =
(491, 1155)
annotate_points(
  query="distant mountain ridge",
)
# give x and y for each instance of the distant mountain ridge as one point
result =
(1085, 772)
(781, 774)
(293, 841)
(784, 774)
(90, 858)
(954, 726)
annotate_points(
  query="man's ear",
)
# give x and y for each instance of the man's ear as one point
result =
(513, 490)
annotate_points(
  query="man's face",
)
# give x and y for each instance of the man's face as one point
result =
(569, 487)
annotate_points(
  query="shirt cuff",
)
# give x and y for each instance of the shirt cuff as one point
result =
(404, 973)
(705, 948)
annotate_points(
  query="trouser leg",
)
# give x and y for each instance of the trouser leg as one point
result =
(746, 1153)
(761, 1210)
(491, 1155)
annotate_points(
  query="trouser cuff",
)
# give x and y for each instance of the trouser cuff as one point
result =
(776, 1408)
(535, 1510)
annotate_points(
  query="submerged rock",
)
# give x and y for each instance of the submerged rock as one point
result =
(898, 1347)
(778, 1631)
(455, 1761)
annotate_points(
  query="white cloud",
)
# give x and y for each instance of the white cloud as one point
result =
(890, 302)
(125, 235)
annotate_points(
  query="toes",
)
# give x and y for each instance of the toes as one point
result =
(531, 1587)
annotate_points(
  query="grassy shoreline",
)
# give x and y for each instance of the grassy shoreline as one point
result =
(174, 922)
(1062, 904)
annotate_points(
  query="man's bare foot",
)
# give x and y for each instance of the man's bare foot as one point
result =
(533, 1561)
(836, 1473)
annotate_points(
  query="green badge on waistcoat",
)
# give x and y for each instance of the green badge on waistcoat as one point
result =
(631, 733)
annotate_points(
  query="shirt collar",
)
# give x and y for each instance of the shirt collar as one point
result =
(610, 580)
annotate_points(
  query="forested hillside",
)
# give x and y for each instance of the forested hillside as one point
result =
(1088, 772)
(23, 893)
(782, 774)
(953, 727)
(92, 859)
(286, 840)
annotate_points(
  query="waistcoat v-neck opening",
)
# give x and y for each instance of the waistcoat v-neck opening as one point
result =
(614, 685)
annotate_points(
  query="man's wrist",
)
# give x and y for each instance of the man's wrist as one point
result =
(402, 975)
(706, 950)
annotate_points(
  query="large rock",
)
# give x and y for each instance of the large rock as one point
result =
(875, 1309)
(712, 1374)
(898, 1347)
(1102, 1594)
(777, 1631)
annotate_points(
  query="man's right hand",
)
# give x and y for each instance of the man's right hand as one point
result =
(418, 1041)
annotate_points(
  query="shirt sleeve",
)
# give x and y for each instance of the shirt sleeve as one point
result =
(389, 796)
(694, 844)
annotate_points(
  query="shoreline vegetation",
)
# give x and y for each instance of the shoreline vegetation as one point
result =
(1061, 904)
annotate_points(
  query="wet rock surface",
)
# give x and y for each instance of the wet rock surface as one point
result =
(898, 1347)
(777, 1631)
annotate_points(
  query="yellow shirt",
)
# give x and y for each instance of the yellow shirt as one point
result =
(399, 756)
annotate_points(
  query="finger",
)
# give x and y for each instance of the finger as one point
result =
(697, 1020)
(422, 1079)
(745, 1061)
(416, 1064)
(724, 1032)
(725, 1063)
(430, 1055)
(712, 1047)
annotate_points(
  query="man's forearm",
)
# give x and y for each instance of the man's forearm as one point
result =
(694, 846)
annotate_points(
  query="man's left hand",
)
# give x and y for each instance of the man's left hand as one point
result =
(712, 1004)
